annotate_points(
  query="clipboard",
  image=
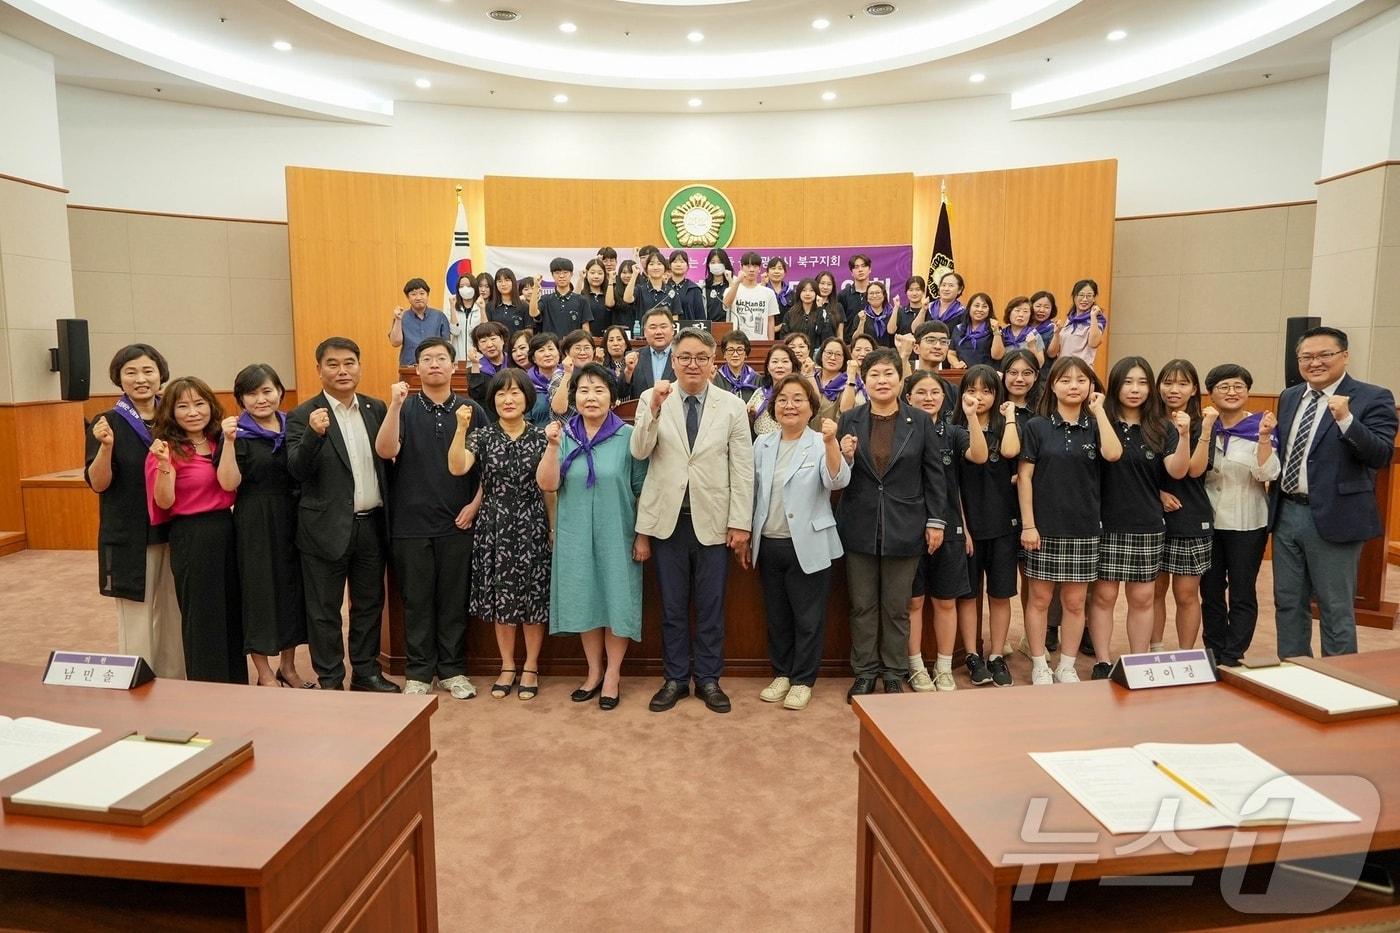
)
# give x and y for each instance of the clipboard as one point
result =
(187, 764)
(1301, 706)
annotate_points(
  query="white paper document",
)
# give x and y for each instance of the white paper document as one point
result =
(1315, 687)
(109, 774)
(1159, 787)
(26, 741)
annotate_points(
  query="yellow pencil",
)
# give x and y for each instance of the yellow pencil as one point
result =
(1189, 789)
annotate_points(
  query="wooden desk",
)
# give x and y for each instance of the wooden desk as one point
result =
(942, 824)
(61, 511)
(330, 826)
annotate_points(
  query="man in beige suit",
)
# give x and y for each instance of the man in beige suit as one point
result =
(698, 498)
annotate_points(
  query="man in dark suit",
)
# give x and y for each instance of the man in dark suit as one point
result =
(890, 516)
(340, 522)
(652, 363)
(1335, 432)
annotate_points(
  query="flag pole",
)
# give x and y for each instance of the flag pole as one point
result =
(943, 190)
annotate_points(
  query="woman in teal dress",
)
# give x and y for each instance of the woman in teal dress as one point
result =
(589, 463)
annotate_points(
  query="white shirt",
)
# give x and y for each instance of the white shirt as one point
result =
(752, 309)
(462, 331)
(1322, 412)
(361, 453)
(1235, 485)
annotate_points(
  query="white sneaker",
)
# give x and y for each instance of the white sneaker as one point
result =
(1042, 676)
(416, 688)
(1066, 675)
(943, 680)
(921, 681)
(798, 697)
(776, 691)
(460, 686)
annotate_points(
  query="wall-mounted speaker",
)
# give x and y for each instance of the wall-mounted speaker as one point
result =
(74, 363)
(1293, 332)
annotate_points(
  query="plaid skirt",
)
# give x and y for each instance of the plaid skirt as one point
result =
(1189, 557)
(1063, 560)
(1131, 558)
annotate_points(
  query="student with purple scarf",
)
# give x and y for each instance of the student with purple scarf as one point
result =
(589, 463)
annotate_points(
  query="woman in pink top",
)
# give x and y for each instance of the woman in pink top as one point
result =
(182, 489)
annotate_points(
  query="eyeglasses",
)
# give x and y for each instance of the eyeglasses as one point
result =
(1326, 357)
(936, 341)
(692, 359)
(1231, 388)
(735, 351)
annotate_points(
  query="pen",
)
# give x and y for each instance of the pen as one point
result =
(1191, 790)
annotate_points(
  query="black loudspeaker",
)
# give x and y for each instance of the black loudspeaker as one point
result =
(74, 364)
(1293, 332)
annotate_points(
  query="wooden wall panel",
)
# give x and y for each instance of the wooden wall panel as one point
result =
(47, 437)
(770, 212)
(355, 238)
(11, 505)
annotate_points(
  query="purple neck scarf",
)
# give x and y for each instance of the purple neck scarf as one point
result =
(747, 378)
(1080, 318)
(489, 368)
(132, 417)
(1247, 429)
(832, 390)
(538, 379)
(578, 433)
(973, 333)
(1012, 340)
(954, 309)
(879, 323)
(248, 427)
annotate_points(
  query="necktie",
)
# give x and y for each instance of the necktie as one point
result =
(692, 419)
(1294, 467)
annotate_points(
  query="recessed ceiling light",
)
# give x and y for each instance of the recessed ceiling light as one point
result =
(567, 27)
(1117, 35)
(503, 16)
(561, 98)
(423, 83)
(977, 77)
(695, 36)
(695, 102)
(880, 9)
(282, 45)
(820, 23)
(828, 95)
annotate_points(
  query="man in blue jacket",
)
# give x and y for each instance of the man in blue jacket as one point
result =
(1335, 432)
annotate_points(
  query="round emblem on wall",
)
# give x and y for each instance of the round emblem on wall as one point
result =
(697, 216)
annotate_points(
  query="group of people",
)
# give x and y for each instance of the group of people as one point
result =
(532, 506)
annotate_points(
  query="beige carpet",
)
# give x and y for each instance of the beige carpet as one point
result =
(552, 815)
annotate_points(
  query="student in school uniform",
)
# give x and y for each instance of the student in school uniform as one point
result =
(1130, 548)
(564, 309)
(915, 312)
(183, 489)
(972, 338)
(750, 307)
(1190, 527)
(1244, 461)
(1082, 333)
(827, 298)
(877, 318)
(508, 308)
(947, 309)
(623, 312)
(1021, 375)
(808, 317)
(593, 286)
(851, 298)
(1017, 332)
(1057, 487)
(776, 280)
(734, 374)
(932, 343)
(719, 275)
(989, 506)
(687, 299)
(648, 288)
(942, 575)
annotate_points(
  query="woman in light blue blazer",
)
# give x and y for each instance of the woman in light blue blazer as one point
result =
(795, 539)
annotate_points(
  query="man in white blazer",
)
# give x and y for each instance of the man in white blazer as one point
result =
(697, 498)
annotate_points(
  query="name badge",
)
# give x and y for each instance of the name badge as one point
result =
(104, 671)
(1164, 669)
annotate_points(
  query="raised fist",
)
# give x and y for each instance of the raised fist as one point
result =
(904, 344)
(1008, 411)
(969, 406)
(630, 359)
(848, 447)
(230, 427)
(319, 421)
(1209, 416)
(1340, 406)
(1096, 402)
(568, 364)
(161, 451)
(103, 432)
(659, 395)
(397, 393)
(808, 367)
(852, 372)
(552, 432)
(398, 313)
(828, 430)
(464, 417)
(1267, 424)
(1182, 421)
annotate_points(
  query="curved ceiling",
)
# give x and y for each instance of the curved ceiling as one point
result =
(354, 59)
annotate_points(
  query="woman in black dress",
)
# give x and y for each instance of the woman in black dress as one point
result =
(511, 552)
(274, 611)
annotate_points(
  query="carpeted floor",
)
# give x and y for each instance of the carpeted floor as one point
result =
(552, 815)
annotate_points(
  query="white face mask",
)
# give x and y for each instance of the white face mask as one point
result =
(716, 268)
(467, 292)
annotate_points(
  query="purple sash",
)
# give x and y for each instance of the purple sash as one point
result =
(132, 417)
(247, 427)
(748, 379)
(539, 380)
(1013, 341)
(973, 333)
(1081, 319)
(880, 324)
(1246, 429)
(578, 433)
(954, 309)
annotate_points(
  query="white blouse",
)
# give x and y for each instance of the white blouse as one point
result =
(1235, 485)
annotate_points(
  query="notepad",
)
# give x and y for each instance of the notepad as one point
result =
(1317, 688)
(1155, 787)
(109, 774)
(26, 741)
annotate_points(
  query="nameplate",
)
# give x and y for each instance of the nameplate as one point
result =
(104, 671)
(1164, 669)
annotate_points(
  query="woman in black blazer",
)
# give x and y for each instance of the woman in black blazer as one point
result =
(133, 558)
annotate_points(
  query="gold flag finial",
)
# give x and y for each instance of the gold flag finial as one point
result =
(459, 194)
(943, 189)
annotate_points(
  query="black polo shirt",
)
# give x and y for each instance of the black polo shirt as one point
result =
(560, 314)
(515, 316)
(851, 301)
(424, 498)
(598, 307)
(989, 498)
(714, 299)
(1066, 481)
(1131, 504)
(1195, 518)
(645, 297)
(954, 440)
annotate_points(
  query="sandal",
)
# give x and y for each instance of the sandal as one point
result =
(305, 684)
(529, 692)
(500, 690)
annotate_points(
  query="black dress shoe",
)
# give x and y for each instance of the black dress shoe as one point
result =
(332, 686)
(1052, 638)
(583, 696)
(375, 683)
(864, 686)
(713, 696)
(671, 693)
(893, 684)
(607, 702)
